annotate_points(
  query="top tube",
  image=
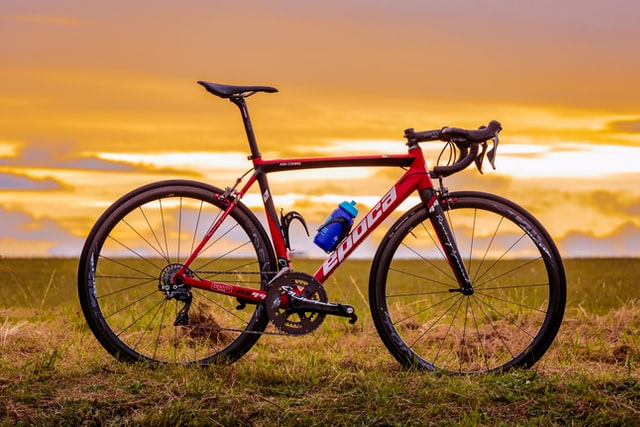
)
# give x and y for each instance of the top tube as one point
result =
(278, 165)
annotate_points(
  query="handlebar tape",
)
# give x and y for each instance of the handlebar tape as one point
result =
(467, 155)
(479, 135)
(466, 140)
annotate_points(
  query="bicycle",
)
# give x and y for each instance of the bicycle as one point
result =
(182, 272)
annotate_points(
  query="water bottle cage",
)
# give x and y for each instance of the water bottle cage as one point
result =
(285, 223)
(345, 229)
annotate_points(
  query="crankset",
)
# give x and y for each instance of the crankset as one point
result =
(297, 304)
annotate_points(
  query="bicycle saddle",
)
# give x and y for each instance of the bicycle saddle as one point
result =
(231, 91)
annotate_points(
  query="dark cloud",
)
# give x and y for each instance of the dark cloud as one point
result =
(634, 209)
(48, 154)
(24, 228)
(611, 202)
(622, 242)
(625, 126)
(10, 182)
(538, 199)
(60, 155)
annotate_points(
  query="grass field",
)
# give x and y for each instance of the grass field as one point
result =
(53, 371)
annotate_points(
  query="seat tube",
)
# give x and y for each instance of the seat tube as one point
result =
(275, 227)
(447, 240)
(248, 127)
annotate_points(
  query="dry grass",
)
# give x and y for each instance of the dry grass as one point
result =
(601, 343)
(53, 372)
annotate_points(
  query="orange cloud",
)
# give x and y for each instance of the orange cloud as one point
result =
(118, 80)
(625, 126)
(23, 235)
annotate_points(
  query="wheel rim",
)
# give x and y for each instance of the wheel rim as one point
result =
(132, 311)
(506, 322)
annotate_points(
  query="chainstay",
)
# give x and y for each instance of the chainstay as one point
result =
(215, 273)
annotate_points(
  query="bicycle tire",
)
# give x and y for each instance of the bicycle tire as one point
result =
(517, 306)
(150, 230)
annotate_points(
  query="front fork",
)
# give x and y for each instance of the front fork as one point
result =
(430, 198)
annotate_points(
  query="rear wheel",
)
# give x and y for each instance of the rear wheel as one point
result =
(510, 319)
(130, 256)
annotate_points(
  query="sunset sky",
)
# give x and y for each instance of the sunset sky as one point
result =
(97, 98)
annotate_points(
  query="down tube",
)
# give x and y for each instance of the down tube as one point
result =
(387, 204)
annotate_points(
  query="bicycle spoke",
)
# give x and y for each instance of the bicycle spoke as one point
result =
(434, 240)
(484, 256)
(149, 328)
(431, 263)
(508, 272)
(513, 302)
(136, 319)
(158, 248)
(179, 234)
(196, 227)
(139, 246)
(422, 277)
(131, 250)
(128, 305)
(163, 222)
(478, 336)
(502, 256)
(426, 309)
(130, 267)
(225, 254)
(125, 289)
(426, 322)
(456, 304)
(495, 329)
(220, 306)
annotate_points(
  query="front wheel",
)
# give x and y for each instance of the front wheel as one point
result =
(517, 305)
(130, 256)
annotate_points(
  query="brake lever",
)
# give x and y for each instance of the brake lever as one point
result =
(480, 157)
(491, 155)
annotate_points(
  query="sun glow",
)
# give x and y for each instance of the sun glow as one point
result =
(198, 161)
(572, 160)
(100, 99)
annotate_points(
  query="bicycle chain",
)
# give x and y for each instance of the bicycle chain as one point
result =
(215, 273)
(287, 327)
(239, 330)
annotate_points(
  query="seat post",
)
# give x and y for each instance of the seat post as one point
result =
(248, 127)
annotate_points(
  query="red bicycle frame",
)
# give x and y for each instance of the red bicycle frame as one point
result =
(415, 178)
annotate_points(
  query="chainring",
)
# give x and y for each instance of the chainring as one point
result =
(291, 321)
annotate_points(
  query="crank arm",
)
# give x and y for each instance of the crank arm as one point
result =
(298, 303)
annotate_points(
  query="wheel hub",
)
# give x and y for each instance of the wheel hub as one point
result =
(169, 284)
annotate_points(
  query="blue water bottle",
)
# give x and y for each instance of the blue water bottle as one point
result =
(336, 227)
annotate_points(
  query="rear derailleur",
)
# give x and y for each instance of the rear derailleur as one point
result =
(173, 288)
